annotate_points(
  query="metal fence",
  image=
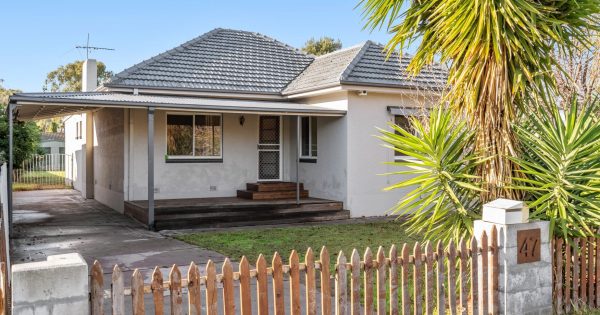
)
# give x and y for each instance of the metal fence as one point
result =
(48, 171)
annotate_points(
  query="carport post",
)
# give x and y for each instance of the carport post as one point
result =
(151, 168)
(298, 159)
(9, 176)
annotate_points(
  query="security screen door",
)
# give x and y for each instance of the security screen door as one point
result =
(269, 148)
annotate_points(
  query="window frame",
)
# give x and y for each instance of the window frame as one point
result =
(397, 155)
(407, 112)
(79, 130)
(193, 158)
(308, 158)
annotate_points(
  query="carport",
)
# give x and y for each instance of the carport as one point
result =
(34, 106)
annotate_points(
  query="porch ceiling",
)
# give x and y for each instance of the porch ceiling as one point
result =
(32, 106)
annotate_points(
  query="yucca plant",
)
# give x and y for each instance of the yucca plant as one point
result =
(441, 163)
(560, 160)
(499, 54)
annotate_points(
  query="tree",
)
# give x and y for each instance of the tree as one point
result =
(322, 46)
(579, 73)
(499, 55)
(67, 78)
(26, 135)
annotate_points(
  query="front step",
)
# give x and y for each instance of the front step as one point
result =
(229, 214)
(265, 219)
(270, 195)
(273, 186)
(272, 191)
(170, 225)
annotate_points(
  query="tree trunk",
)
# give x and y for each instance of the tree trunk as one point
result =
(492, 118)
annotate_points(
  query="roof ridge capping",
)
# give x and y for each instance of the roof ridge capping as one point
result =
(267, 37)
(138, 65)
(344, 75)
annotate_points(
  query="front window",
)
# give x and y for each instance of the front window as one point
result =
(403, 121)
(198, 136)
(309, 137)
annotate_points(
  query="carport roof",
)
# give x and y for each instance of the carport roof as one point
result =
(33, 106)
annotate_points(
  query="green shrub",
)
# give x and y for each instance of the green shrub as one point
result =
(559, 162)
(445, 200)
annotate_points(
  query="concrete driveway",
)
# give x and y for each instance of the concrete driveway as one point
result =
(60, 221)
(54, 222)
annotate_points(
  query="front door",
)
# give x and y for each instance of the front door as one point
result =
(269, 148)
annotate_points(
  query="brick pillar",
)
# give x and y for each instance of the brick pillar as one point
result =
(525, 262)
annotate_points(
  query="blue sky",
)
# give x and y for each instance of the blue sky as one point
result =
(38, 36)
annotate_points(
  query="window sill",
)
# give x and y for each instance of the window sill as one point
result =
(308, 160)
(192, 160)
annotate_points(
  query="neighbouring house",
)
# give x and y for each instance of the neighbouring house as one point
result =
(235, 121)
(52, 142)
(52, 145)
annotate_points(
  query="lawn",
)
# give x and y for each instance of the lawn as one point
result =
(336, 237)
(38, 180)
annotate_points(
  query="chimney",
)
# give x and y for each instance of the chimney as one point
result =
(89, 75)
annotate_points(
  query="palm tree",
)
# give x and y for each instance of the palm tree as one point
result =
(500, 54)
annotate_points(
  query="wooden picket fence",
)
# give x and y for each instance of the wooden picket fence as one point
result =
(453, 279)
(576, 274)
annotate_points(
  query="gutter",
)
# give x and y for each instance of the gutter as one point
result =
(24, 100)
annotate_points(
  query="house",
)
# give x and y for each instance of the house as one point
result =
(238, 114)
(52, 142)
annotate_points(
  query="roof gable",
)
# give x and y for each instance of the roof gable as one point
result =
(325, 71)
(374, 67)
(220, 60)
(365, 64)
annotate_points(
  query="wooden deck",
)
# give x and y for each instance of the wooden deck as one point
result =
(234, 211)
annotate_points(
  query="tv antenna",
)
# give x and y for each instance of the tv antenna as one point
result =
(87, 47)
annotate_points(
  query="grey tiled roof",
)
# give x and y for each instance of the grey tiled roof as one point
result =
(220, 60)
(373, 67)
(52, 136)
(365, 64)
(324, 71)
(225, 60)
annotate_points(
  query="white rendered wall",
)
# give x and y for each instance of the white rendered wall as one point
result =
(327, 177)
(367, 156)
(53, 145)
(75, 148)
(194, 180)
(108, 157)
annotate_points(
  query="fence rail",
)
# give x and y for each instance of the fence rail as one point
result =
(576, 274)
(46, 171)
(456, 279)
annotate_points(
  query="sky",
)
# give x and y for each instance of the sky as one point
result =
(39, 36)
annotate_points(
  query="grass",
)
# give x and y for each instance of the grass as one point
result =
(335, 237)
(39, 180)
